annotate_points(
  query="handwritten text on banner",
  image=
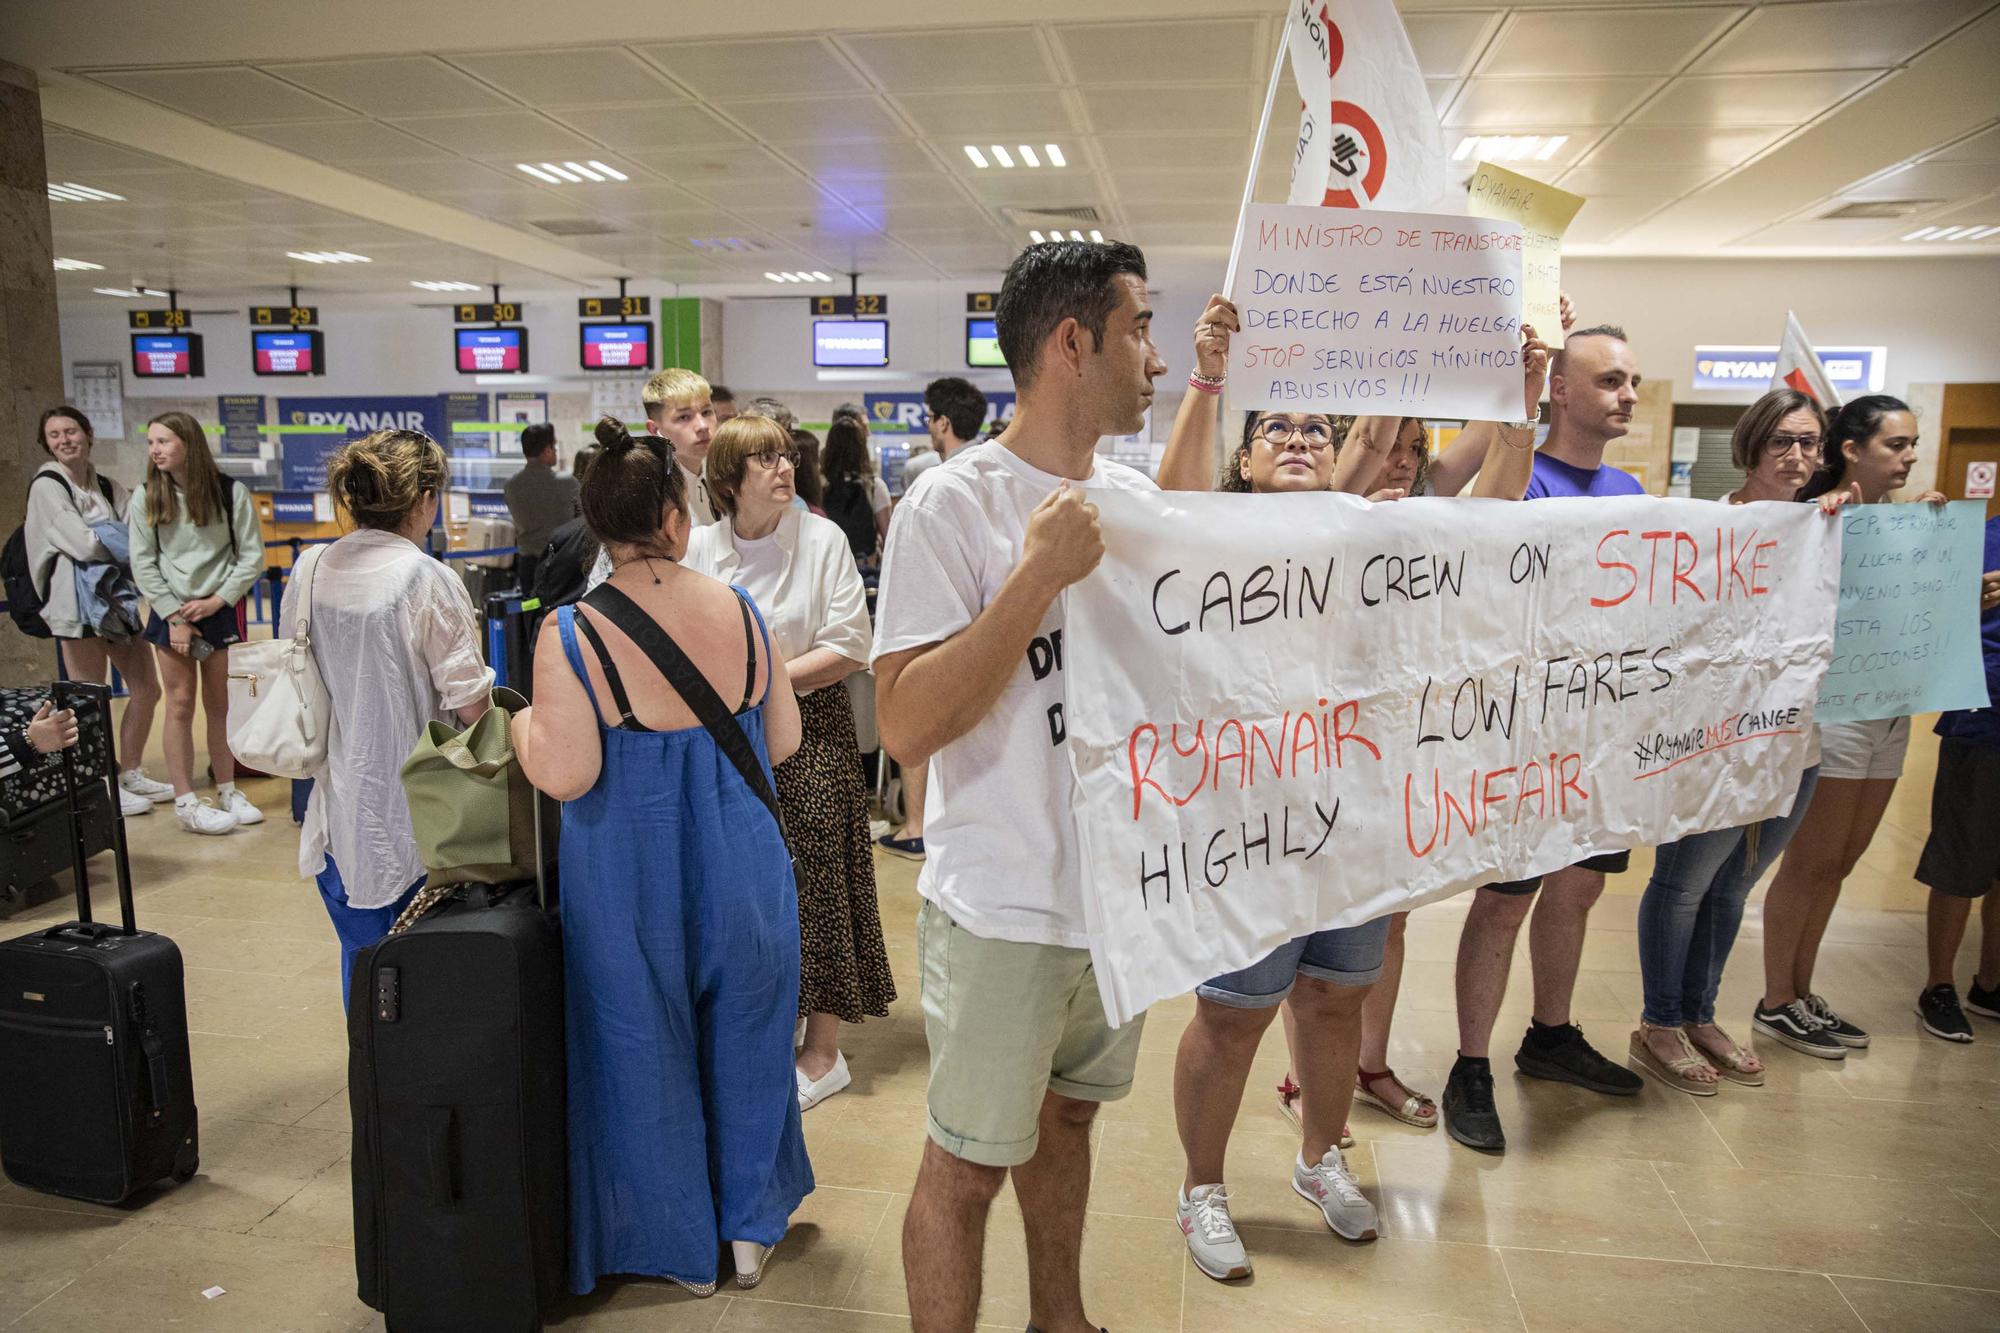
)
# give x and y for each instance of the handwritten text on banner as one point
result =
(1544, 213)
(1367, 312)
(1294, 712)
(1908, 636)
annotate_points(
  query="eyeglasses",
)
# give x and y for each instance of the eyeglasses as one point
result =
(1277, 431)
(770, 458)
(1777, 446)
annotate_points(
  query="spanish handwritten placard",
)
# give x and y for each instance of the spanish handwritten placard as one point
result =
(1289, 713)
(1907, 639)
(1544, 213)
(1358, 311)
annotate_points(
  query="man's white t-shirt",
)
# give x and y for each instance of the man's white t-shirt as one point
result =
(998, 831)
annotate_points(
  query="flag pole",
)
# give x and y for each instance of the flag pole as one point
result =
(1256, 157)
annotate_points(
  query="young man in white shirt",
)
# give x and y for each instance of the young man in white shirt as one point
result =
(954, 410)
(969, 678)
(678, 410)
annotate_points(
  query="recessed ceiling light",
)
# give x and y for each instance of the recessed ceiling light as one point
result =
(69, 192)
(1036, 236)
(1002, 156)
(820, 277)
(1028, 156)
(446, 286)
(978, 158)
(1097, 235)
(1055, 155)
(77, 266)
(129, 293)
(1509, 147)
(1981, 234)
(328, 257)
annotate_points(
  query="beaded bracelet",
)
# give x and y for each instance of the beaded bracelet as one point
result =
(1205, 384)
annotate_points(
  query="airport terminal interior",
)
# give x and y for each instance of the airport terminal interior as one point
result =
(284, 229)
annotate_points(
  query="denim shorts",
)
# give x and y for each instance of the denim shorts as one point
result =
(1350, 957)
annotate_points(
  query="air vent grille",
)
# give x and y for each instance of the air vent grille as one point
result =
(1042, 217)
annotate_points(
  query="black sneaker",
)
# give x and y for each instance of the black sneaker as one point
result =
(1983, 1000)
(1562, 1055)
(1938, 1007)
(1795, 1026)
(1469, 1115)
(1836, 1027)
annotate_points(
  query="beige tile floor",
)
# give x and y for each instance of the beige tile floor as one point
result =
(1857, 1196)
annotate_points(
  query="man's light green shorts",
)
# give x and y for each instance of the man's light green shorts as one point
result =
(1007, 1022)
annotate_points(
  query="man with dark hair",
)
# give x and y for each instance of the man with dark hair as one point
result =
(969, 679)
(539, 499)
(954, 409)
(724, 402)
(1593, 389)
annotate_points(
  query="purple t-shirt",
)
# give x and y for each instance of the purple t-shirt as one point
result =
(1555, 478)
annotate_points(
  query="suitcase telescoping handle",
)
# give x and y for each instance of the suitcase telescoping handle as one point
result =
(79, 853)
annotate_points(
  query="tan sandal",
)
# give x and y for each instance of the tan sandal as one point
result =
(1740, 1065)
(1288, 1102)
(1678, 1073)
(1415, 1109)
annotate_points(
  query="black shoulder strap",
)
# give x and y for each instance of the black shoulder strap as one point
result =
(104, 489)
(690, 684)
(229, 485)
(749, 654)
(611, 677)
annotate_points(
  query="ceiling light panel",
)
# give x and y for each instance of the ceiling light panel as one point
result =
(719, 70)
(933, 61)
(224, 94)
(328, 257)
(592, 76)
(1166, 53)
(441, 285)
(77, 266)
(69, 192)
(392, 86)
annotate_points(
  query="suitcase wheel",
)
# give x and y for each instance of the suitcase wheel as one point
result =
(186, 1163)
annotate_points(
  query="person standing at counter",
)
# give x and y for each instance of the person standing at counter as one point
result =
(539, 500)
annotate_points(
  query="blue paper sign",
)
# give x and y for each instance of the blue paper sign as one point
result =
(310, 429)
(903, 413)
(1907, 637)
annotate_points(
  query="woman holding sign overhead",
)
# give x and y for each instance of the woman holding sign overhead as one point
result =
(1322, 979)
(1870, 447)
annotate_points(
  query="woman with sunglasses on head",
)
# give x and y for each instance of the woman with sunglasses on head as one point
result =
(1870, 446)
(1321, 980)
(800, 572)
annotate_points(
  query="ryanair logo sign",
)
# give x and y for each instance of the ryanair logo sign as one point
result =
(1852, 370)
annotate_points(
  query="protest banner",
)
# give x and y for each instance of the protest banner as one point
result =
(1382, 313)
(1288, 713)
(1544, 213)
(1907, 640)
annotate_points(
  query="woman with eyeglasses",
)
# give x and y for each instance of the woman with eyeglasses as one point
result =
(799, 570)
(1870, 446)
(1321, 980)
(1693, 905)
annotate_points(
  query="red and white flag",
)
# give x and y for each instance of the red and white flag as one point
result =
(1368, 131)
(1799, 366)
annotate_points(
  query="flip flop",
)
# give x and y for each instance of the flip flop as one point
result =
(1674, 1073)
(1415, 1109)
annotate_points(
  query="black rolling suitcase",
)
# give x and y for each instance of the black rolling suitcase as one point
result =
(456, 1080)
(97, 1099)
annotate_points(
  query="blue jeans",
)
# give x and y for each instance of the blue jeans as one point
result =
(1348, 957)
(357, 927)
(1693, 906)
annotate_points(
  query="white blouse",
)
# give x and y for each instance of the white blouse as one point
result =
(397, 643)
(802, 577)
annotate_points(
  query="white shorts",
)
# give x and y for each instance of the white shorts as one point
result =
(1855, 750)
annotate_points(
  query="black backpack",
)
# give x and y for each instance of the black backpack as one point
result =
(847, 503)
(23, 602)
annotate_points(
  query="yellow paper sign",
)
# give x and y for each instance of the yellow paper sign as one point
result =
(1544, 213)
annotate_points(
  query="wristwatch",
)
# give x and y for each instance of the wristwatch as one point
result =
(1528, 425)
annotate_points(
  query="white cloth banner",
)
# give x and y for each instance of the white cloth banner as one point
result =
(1288, 713)
(1799, 366)
(1312, 75)
(1375, 313)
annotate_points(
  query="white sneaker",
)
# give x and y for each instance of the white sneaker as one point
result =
(813, 1091)
(1211, 1234)
(134, 780)
(236, 803)
(198, 816)
(131, 804)
(1332, 1188)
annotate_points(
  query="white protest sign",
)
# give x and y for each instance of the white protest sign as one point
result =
(1417, 314)
(1289, 713)
(1544, 213)
(1312, 65)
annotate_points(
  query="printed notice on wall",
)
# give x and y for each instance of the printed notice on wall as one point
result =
(1363, 312)
(1288, 713)
(1544, 213)
(1907, 640)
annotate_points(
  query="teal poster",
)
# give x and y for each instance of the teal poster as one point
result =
(1907, 637)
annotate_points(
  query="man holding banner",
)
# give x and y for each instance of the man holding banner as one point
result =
(969, 665)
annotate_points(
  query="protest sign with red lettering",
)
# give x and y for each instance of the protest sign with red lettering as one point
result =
(1346, 311)
(1288, 713)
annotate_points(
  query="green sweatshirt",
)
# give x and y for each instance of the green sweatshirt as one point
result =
(182, 562)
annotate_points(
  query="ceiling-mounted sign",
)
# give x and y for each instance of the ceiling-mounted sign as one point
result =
(614, 307)
(1851, 370)
(499, 312)
(156, 319)
(865, 303)
(981, 303)
(283, 316)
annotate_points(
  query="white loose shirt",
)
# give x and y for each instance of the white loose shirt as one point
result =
(1001, 841)
(397, 643)
(802, 577)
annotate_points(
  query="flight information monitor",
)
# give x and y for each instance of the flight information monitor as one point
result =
(288, 352)
(850, 342)
(166, 355)
(982, 342)
(501, 351)
(616, 346)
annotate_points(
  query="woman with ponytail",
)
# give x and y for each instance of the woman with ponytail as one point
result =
(679, 912)
(397, 643)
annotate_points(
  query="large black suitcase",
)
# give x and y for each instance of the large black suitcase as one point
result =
(97, 1101)
(456, 1081)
